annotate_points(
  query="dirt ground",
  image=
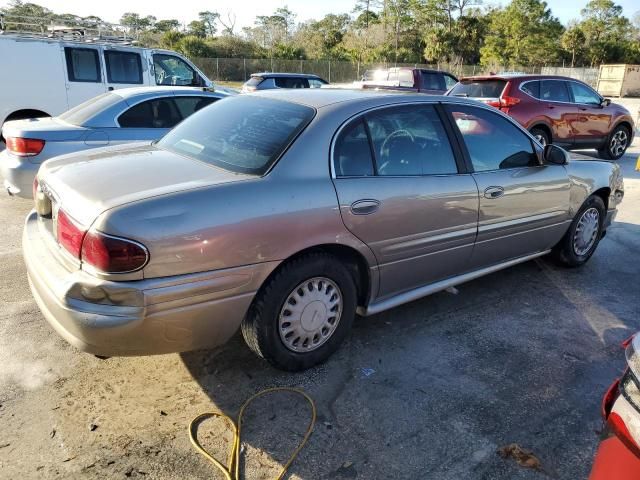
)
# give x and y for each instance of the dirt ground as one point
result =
(431, 389)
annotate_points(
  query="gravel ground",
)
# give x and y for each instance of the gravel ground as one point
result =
(428, 390)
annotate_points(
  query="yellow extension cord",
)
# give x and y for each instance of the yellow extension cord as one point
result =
(232, 472)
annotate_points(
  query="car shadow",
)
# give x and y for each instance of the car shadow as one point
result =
(434, 387)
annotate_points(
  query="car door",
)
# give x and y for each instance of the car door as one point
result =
(591, 122)
(124, 68)
(84, 78)
(146, 121)
(557, 107)
(401, 193)
(524, 204)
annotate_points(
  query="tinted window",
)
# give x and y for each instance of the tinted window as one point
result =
(479, 88)
(583, 94)
(188, 105)
(492, 141)
(83, 64)
(531, 88)
(432, 81)
(159, 113)
(554, 91)
(243, 134)
(123, 67)
(171, 70)
(285, 82)
(84, 112)
(352, 154)
(410, 141)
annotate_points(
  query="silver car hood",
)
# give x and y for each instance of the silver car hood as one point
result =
(46, 128)
(88, 183)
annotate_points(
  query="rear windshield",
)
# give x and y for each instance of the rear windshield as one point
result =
(243, 134)
(478, 88)
(253, 81)
(84, 112)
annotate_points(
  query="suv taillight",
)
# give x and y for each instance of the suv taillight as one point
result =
(69, 234)
(113, 254)
(24, 147)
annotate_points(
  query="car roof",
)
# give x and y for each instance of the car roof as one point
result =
(281, 75)
(517, 76)
(323, 97)
(127, 93)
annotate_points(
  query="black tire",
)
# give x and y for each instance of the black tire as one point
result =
(613, 150)
(260, 326)
(541, 135)
(565, 252)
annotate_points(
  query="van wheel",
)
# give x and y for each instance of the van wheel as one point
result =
(617, 144)
(303, 313)
(541, 135)
(583, 236)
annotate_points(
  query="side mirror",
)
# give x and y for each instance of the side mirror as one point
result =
(605, 102)
(555, 155)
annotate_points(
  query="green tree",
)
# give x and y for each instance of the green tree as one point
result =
(208, 20)
(136, 23)
(607, 32)
(162, 26)
(197, 28)
(573, 40)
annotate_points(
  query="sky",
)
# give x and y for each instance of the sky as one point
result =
(246, 10)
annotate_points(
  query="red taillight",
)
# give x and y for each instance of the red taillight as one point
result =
(112, 254)
(24, 147)
(622, 432)
(70, 234)
(507, 101)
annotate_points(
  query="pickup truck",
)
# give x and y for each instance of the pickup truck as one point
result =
(406, 79)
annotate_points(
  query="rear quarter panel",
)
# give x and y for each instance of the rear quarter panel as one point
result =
(588, 176)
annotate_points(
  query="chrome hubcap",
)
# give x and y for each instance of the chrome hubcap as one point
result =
(310, 314)
(618, 143)
(586, 231)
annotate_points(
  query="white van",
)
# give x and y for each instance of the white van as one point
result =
(46, 76)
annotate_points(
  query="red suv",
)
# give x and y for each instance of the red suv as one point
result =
(557, 110)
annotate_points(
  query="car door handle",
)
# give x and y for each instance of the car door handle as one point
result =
(364, 207)
(493, 192)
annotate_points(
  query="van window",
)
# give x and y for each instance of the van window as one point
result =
(123, 67)
(171, 70)
(83, 64)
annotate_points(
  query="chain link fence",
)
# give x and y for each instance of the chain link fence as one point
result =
(240, 69)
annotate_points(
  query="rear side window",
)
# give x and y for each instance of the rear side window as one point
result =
(531, 88)
(254, 81)
(82, 114)
(352, 153)
(492, 141)
(554, 91)
(479, 88)
(291, 82)
(123, 67)
(83, 64)
(158, 113)
(243, 134)
(432, 81)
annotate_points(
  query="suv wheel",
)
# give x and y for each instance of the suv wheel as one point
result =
(616, 145)
(303, 313)
(584, 234)
(541, 135)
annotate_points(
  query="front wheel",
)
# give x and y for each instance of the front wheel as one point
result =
(541, 136)
(303, 313)
(584, 234)
(616, 145)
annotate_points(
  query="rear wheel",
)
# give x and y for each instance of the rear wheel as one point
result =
(303, 313)
(541, 135)
(584, 234)
(616, 145)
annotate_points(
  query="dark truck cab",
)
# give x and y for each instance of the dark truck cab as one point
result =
(406, 79)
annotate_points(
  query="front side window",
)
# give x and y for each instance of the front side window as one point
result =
(492, 141)
(316, 83)
(449, 81)
(158, 113)
(352, 153)
(243, 134)
(410, 141)
(190, 105)
(583, 94)
(172, 70)
(431, 81)
(123, 67)
(554, 91)
(83, 64)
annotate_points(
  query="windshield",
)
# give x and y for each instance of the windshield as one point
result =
(243, 134)
(478, 88)
(84, 112)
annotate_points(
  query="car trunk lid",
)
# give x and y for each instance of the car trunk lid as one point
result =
(46, 128)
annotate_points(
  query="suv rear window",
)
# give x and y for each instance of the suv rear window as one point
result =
(242, 134)
(479, 88)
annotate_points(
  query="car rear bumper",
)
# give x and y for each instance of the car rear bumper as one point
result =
(18, 174)
(143, 317)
